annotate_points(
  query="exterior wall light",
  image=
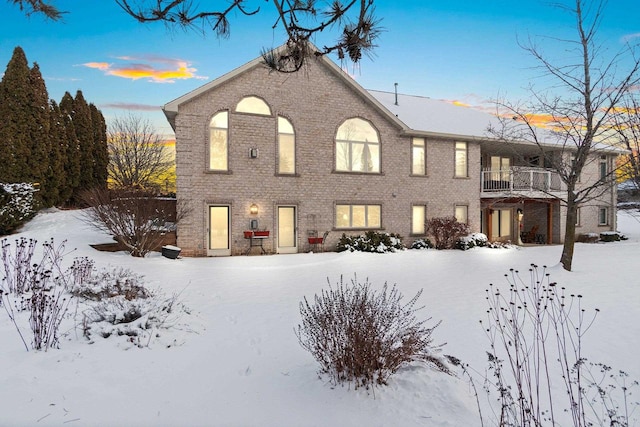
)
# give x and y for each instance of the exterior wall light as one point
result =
(253, 209)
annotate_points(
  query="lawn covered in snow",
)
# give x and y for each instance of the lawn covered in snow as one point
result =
(233, 359)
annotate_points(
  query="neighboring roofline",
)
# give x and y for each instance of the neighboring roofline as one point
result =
(170, 109)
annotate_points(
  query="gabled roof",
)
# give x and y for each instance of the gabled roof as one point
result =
(171, 109)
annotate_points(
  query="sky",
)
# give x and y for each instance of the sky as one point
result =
(466, 51)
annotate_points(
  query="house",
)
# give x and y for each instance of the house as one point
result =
(297, 155)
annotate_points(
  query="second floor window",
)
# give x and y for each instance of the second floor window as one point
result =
(418, 157)
(219, 142)
(461, 161)
(286, 147)
(357, 147)
(604, 170)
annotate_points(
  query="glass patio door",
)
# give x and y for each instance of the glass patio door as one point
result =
(219, 225)
(287, 239)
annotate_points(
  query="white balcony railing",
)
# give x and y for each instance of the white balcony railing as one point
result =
(521, 180)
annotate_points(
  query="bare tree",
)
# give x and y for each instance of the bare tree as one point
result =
(578, 108)
(137, 154)
(627, 127)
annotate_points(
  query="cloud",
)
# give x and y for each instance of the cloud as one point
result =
(628, 37)
(156, 69)
(129, 106)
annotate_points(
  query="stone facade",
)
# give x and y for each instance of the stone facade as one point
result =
(316, 101)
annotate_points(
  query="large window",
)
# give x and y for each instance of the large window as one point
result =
(461, 160)
(286, 147)
(357, 147)
(358, 216)
(418, 219)
(253, 105)
(418, 157)
(219, 142)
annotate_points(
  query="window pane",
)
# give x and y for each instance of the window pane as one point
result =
(461, 214)
(219, 227)
(374, 158)
(373, 216)
(461, 159)
(358, 158)
(418, 220)
(218, 141)
(505, 223)
(358, 216)
(342, 216)
(284, 126)
(253, 104)
(418, 157)
(218, 149)
(286, 154)
(342, 156)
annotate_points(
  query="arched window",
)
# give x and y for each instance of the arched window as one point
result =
(219, 141)
(286, 147)
(253, 105)
(357, 147)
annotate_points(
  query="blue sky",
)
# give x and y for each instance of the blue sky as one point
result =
(464, 51)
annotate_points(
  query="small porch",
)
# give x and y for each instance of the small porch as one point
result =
(521, 221)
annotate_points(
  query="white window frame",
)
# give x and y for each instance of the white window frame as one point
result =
(281, 134)
(603, 211)
(418, 149)
(461, 160)
(418, 223)
(461, 208)
(349, 219)
(350, 155)
(223, 130)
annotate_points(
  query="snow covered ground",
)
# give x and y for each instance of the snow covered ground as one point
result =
(235, 360)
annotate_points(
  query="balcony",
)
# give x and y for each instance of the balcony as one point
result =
(521, 182)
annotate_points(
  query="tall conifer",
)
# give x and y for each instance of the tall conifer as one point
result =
(81, 117)
(55, 176)
(70, 142)
(38, 125)
(15, 95)
(100, 148)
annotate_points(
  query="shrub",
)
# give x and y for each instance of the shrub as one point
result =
(137, 219)
(472, 241)
(422, 244)
(536, 330)
(612, 236)
(37, 287)
(372, 241)
(361, 336)
(446, 231)
(17, 205)
(116, 303)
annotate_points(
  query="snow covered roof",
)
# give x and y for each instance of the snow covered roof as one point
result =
(424, 114)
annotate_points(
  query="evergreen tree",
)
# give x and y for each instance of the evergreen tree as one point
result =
(100, 148)
(37, 162)
(72, 149)
(55, 177)
(81, 118)
(15, 95)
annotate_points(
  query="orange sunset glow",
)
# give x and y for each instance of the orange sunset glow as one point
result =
(155, 69)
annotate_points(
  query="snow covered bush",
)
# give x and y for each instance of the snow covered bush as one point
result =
(116, 302)
(446, 231)
(17, 205)
(472, 241)
(371, 241)
(422, 244)
(361, 337)
(612, 236)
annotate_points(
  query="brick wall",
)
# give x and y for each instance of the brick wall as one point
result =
(316, 101)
